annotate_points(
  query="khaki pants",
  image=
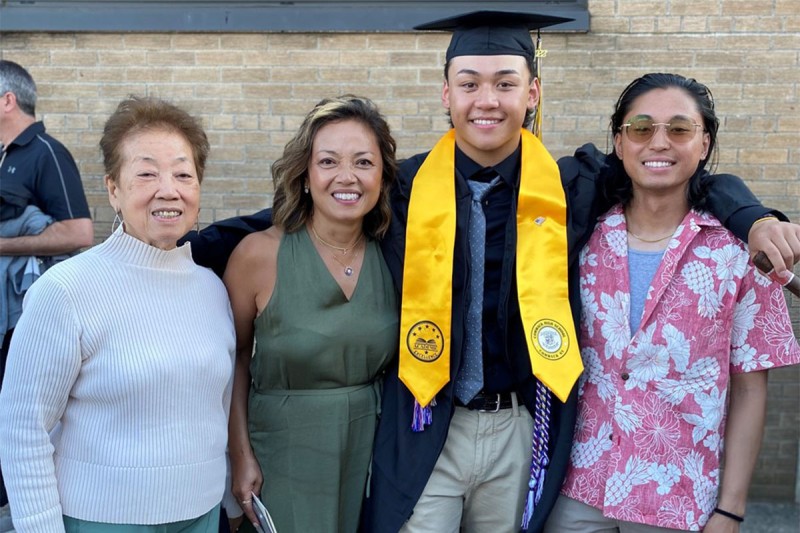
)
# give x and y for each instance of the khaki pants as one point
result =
(480, 480)
(572, 516)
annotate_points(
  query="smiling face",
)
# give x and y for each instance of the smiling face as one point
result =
(488, 97)
(662, 166)
(157, 192)
(344, 172)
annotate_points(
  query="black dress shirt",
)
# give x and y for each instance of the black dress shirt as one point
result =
(498, 209)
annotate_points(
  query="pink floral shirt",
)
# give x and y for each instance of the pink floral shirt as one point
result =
(651, 415)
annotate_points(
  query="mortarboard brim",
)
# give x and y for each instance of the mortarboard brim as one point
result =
(483, 33)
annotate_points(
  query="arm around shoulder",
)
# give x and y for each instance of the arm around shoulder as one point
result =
(764, 229)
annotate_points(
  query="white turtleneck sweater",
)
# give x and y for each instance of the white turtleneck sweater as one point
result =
(131, 348)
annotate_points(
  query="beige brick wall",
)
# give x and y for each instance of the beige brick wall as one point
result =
(253, 89)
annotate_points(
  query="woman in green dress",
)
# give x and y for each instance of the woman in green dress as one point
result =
(316, 323)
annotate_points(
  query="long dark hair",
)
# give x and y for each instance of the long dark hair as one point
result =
(619, 188)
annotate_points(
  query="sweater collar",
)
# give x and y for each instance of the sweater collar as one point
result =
(128, 249)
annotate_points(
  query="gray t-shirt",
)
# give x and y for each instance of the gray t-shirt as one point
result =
(642, 267)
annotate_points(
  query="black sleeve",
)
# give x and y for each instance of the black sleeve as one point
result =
(734, 204)
(58, 190)
(213, 245)
(582, 176)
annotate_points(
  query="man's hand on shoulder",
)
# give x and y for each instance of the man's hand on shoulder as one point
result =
(780, 241)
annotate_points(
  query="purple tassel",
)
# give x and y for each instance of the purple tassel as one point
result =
(528, 514)
(539, 460)
(423, 416)
(540, 481)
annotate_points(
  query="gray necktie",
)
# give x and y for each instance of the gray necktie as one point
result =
(470, 376)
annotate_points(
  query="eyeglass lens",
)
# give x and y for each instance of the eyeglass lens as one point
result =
(642, 128)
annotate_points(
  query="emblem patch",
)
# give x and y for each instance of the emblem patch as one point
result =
(550, 339)
(425, 341)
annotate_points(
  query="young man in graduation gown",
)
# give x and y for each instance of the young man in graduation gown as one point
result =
(478, 413)
(478, 416)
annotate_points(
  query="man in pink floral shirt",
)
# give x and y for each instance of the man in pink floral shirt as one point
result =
(677, 331)
(652, 402)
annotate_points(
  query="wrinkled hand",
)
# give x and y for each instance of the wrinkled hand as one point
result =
(721, 524)
(246, 478)
(780, 241)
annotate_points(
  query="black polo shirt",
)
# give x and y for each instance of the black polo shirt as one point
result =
(497, 209)
(38, 170)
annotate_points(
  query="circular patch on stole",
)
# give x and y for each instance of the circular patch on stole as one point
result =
(550, 339)
(425, 341)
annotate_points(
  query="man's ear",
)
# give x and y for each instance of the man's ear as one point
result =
(446, 95)
(534, 93)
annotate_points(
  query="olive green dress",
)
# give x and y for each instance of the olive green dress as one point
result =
(315, 395)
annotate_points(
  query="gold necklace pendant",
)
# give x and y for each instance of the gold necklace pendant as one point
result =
(348, 269)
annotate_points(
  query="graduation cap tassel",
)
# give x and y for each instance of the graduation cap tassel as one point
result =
(539, 54)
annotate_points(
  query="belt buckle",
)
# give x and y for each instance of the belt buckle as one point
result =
(496, 405)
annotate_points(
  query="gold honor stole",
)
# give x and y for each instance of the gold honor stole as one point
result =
(426, 311)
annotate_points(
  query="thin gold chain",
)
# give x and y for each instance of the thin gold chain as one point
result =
(342, 249)
(632, 234)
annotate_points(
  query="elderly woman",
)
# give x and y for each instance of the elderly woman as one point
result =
(315, 295)
(130, 347)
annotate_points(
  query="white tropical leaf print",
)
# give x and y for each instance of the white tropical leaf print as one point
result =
(782, 339)
(699, 377)
(586, 454)
(744, 317)
(665, 475)
(677, 345)
(615, 220)
(589, 310)
(593, 372)
(675, 512)
(712, 406)
(586, 257)
(700, 280)
(648, 362)
(703, 252)
(620, 484)
(618, 242)
(616, 328)
(625, 418)
(745, 356)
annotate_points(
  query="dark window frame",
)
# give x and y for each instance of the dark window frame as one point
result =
(260, 15)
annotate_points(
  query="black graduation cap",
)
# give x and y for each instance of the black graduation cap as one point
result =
(490, 33)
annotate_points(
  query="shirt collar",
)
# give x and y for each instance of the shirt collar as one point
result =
(27, 135)
(507, 169)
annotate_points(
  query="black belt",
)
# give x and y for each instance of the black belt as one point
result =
(487, 402)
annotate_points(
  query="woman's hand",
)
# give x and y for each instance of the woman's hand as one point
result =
(246, 479)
